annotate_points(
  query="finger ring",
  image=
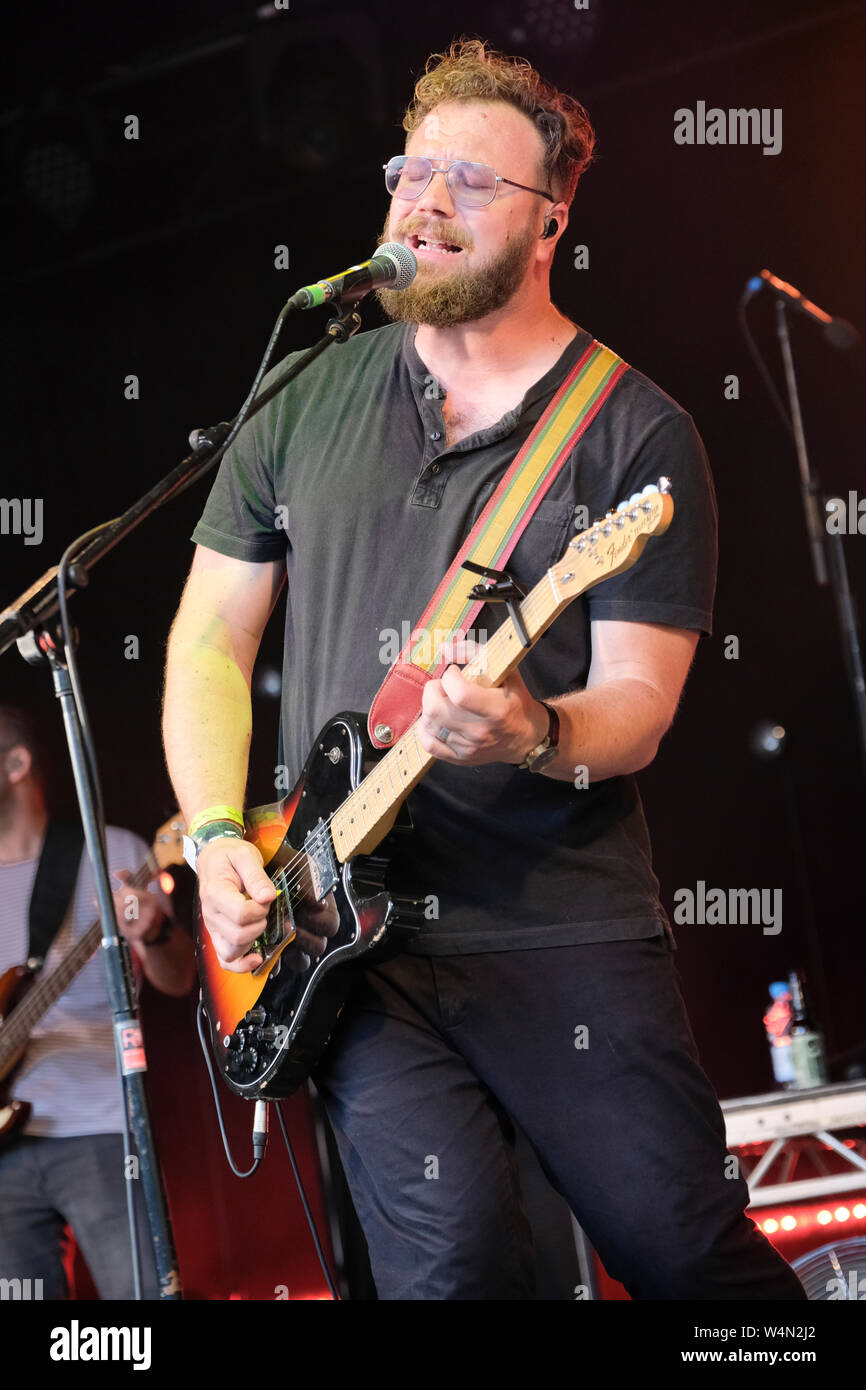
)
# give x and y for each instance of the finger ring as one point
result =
(444, 735)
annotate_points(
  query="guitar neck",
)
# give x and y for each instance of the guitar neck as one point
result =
(608, 547)
(20, 1024)
(367, 815)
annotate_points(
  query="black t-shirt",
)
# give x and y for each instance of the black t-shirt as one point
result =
(345, 475)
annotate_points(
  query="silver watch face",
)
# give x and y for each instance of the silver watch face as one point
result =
(189, 851)
(543, 760)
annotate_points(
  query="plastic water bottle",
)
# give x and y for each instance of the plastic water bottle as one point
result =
(777, 1021)
(807, 1045)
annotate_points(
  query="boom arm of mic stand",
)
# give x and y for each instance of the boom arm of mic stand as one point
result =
(37, 606)
(810, 487)
(846, 611)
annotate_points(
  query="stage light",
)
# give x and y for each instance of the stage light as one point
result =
(316, 88)
(782, 1220)
(166, 882)
(52, 159)
(834, 1272)
(768, 739)
(555, 25)
(550, 26)
(268, 682)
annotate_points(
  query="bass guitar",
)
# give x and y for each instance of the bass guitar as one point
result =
(26, 995)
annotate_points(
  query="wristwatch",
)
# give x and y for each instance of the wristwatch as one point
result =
(543, 754)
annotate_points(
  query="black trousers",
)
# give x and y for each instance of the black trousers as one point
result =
(45, 1183)
(589, 1049)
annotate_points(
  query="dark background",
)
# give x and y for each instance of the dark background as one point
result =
(263, 127)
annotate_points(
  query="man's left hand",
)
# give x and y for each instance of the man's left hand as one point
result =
(139, 919)
(487, 725)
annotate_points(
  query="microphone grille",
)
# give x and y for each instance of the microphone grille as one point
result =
(407, 266)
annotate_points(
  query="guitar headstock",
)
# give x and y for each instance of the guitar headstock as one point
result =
(167, 848)
(614, 542)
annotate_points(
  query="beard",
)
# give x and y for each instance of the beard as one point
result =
(462, 296)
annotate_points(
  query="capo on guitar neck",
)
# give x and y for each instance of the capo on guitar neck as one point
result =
(500, 587)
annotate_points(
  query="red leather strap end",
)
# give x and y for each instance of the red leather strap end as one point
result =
(397, 701)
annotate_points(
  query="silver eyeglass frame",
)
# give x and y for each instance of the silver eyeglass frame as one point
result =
(445, 166)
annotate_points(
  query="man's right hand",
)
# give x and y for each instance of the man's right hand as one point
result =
(234, 896)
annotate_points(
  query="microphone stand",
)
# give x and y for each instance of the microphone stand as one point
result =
(38, 604)
(28, 622)
(825, 546)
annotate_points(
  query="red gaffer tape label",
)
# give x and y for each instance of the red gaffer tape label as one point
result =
(130, 1047)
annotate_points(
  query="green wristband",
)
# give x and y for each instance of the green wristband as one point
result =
(214, 830)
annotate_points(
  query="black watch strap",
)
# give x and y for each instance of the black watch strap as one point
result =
(553, 727)
(544, 752)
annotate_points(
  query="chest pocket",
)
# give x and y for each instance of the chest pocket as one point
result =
(543, 542)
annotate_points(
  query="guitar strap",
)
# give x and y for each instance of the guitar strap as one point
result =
(450, 612)
(54, 884)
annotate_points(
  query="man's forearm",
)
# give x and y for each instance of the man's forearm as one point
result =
(611, 729)
(207, 726)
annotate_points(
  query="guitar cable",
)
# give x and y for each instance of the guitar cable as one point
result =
(260, 1137)
(309, 1215)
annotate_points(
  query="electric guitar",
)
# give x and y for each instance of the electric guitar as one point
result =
(331, 835)
(26, 996)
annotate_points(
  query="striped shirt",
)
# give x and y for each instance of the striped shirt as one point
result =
(69, 1073)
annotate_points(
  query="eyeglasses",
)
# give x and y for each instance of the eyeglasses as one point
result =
(470, 185)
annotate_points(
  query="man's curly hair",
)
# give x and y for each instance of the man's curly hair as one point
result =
(470, 71)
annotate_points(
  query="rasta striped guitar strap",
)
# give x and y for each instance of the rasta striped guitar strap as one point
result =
(451, 611)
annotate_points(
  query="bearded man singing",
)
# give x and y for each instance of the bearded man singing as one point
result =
(549, 924)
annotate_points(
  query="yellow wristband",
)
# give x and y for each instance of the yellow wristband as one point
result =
(215, 813)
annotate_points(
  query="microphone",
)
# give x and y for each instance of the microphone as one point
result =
(839, 332)
(393, 265)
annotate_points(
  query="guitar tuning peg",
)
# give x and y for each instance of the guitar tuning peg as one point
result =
(664, 485)
(623, 507)
(650, 487)
(635, 497)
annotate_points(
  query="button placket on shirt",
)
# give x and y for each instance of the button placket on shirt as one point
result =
(435, 466)
(430, 483)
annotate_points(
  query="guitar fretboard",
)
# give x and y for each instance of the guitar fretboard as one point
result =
(356, 826)
(604, 549)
